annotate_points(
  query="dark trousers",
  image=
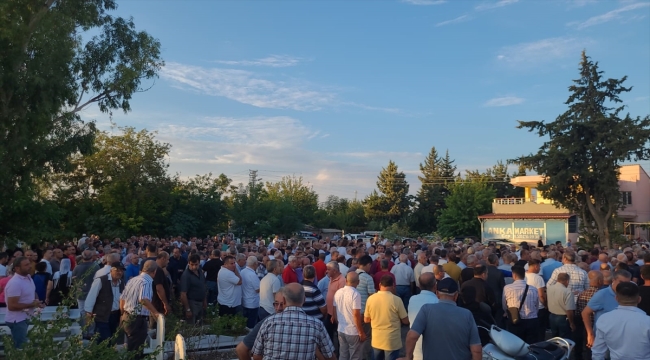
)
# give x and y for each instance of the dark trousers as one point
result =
(404, 293)
(542, 315)
(106, 330)
(227, 310)
(212, 291)
(580, 351)
(136, 334)
(559, 326)
(331, 331)
(527, 330)
(262, 314)
(251, 316)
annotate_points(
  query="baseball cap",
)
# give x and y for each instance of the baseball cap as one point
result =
(447, 286)
(118, 265)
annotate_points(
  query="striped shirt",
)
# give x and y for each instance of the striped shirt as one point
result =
(314, 300)
(365, 288)
(136, 290)
(578, 279)
(512, 295)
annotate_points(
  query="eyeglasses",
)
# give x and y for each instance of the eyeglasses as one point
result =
(276, 304)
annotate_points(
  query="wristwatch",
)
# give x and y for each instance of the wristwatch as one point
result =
(189, 310)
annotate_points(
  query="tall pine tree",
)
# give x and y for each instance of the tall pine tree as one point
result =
(430, 198)
(391, 203)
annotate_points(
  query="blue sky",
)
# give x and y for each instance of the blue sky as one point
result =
(333, 90)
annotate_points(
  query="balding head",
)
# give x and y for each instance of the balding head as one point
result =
(294, 294)
(352, 279)
(87, 255)
(595, 278)
(427, 281)
(149, 267)
(112, 257)
(602, 258)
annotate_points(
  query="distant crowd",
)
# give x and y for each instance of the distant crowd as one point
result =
(336, 298)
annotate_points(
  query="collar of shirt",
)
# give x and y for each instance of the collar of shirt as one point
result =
(293, 308)
(427, 293)
(147, 277)
(445, 301)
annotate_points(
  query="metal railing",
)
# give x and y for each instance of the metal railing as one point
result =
(510, 201)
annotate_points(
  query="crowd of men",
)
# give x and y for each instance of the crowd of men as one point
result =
(345, 299)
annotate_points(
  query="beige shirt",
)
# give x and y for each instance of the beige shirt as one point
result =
(560, 299)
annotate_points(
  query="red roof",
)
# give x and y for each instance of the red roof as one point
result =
(526, 216)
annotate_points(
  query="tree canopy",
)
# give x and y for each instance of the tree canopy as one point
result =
(585, 148)
(59, 57)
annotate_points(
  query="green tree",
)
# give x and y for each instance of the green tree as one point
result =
(123, 186)
(466, 201)
(392, 202)
(431, 195)
(498, 178)
(249, 208)
(586, 146)
(301, 196)
(59, 57)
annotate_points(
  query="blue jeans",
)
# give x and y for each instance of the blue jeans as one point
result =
(559, 326)
(262, 314)
(107, 329)
(19, 332)
(404, 293)
(378, 354)
(212, 291)
(251, 316)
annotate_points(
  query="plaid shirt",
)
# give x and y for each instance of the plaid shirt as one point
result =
(578, 279)
(292, 335)
(583, 299)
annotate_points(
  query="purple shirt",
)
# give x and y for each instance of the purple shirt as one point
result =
(23, 287)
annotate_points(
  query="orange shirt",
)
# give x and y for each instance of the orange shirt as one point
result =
(334, 286)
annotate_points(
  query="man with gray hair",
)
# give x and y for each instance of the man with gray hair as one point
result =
(336, 282)
(347, 313)
(269, 286)
(314, 300)
(292, 334)
(404, 280)
(136, 307)
(250, 292)
(289, 274)
(602, 302)
(108, 260)
(578, 282)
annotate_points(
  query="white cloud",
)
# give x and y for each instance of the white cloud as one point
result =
(379, 154)
(270, 61)
(540, 51)
(459, 19)
(504, 101)
(494, 5)
(424, 2)
(608, 16)
(247, 87)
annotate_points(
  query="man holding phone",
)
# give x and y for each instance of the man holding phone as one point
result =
(20, 293)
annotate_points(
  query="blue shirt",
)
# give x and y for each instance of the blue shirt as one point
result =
(131, 272)
(323, 285)
(629, 342)
(603, 302)
(415, 304)
(547, 268)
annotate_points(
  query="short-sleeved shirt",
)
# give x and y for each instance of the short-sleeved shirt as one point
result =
(537, 281)
(346, 301)
(22, 287)
(385, 311)
(159, 278)
(292, 334)
(451, 341)
(603, 302)
(314, 300)
(403, 274)
(269, 285)
(229, 293)
(250, 287)
(560, 299)
(194, 285)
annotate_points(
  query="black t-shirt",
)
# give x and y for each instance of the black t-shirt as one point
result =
(160, 278)
(212, 267)
(644, 305)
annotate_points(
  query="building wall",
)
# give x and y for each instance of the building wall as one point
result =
(634, 179)
(527, 208)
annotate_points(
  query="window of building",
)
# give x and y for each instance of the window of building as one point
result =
(626, 197)
(573, 224)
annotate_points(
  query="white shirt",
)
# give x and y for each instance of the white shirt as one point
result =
(250, 288)
(403, 274)
(229, 292)
(346, 300)
(538, 282)
(415, 304)
(442, 261)
(269, 285)
(91, 299)
(628, 342)
(427, 269)
(103, 271)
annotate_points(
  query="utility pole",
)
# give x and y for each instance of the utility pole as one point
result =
(355, 196)
(252, 179)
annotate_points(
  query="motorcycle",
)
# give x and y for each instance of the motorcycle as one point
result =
(507, 346)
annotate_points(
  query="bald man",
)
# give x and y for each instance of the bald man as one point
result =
(347, 312)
